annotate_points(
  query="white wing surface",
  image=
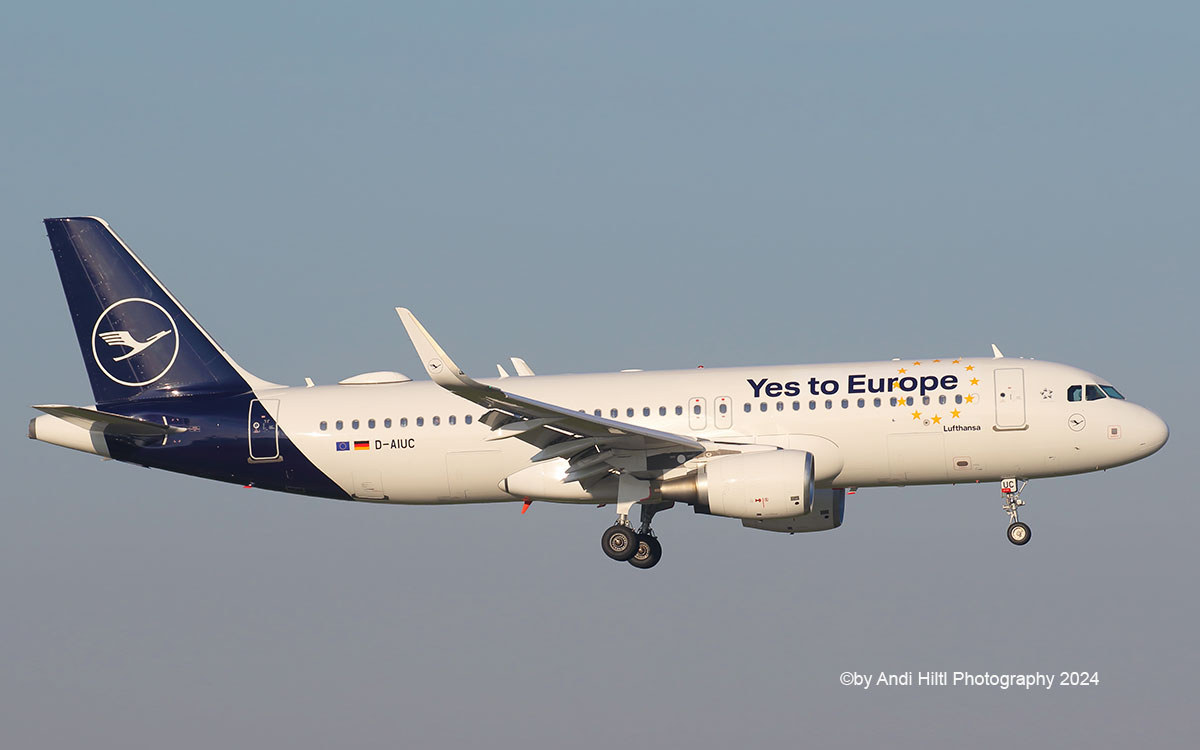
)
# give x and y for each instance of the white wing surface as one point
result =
(594, 446)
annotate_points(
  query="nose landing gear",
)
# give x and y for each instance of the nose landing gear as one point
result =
(1018, 533)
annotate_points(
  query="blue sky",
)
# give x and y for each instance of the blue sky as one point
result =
(596, 188)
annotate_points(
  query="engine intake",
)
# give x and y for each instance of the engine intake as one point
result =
(768, 484)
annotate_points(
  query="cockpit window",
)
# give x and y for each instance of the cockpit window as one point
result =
(1094, 393)
(1075, 393)
(1112, 392)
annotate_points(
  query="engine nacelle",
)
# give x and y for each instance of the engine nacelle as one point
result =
(829, 508)
(766, 484)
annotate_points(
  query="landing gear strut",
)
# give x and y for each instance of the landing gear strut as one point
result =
(620, 542)
(1018, 533)
(649, 551)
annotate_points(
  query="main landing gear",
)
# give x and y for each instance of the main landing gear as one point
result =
(640, 548)
(1018, 533)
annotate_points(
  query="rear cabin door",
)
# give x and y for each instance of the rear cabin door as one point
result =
(1010, 398)
(263, 430)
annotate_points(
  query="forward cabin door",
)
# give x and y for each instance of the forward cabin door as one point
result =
(1010, 398)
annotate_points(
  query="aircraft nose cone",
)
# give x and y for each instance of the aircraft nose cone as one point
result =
(1153, 433)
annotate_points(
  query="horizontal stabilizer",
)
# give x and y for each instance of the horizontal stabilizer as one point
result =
(112, 424)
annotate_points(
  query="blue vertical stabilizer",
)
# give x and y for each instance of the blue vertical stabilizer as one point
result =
(137, 341)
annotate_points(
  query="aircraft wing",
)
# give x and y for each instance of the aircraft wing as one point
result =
(594, 446)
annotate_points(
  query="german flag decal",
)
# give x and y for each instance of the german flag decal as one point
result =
(362, 445)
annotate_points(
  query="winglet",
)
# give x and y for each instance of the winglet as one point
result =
(522, 368)
(437, 363)
(996, 353)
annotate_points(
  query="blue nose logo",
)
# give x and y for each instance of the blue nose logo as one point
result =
(135, 342)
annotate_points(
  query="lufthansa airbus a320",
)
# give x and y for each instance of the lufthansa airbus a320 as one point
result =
(774, 447)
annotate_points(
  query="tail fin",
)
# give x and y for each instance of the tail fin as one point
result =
(137, 341)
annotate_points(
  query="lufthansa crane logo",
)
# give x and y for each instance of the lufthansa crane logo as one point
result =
(135, 342)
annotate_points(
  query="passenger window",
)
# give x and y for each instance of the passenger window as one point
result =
(795, 406)
(679, 411)
(338, 424)
(354, 425)
(845, 403)
(612, 413)
(1075, 393)
(746, 408)
(324, 426)
(387, 423)
(597, 412)
(925, 400)
(862, 402)
(812, 405)
(437, 421)
(828, 403)
(467, 419)
(370, 424)
(420, 421)
(894, 402)
(762, 406)
(645, 411)
(958, 398)
(778, 406)
(629, 412)
(723, 408)
(1094, 393)
(404, 421)
(942, 399)
(696, 409)
(662, 411)
(878, 402)
(452, 419)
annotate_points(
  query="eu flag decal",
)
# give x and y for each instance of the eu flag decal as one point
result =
(343, 446)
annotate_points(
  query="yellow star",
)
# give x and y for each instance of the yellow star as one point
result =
(955, 362)
(916, 415)
(954, 413)
(901, 371)
(974, 381)
(937, 419)
(916, 364)
(970, 367)
(969, 399)
(937, 360)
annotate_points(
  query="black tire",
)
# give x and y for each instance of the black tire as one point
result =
(1018, 533)
(619, 543)
(648, 553)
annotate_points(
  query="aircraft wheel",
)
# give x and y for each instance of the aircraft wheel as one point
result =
(619, 542)
(1018, 533)
(648, 553)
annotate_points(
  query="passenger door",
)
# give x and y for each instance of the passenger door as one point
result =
(1010, 398)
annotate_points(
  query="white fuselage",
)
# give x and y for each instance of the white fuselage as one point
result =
(867, 424)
